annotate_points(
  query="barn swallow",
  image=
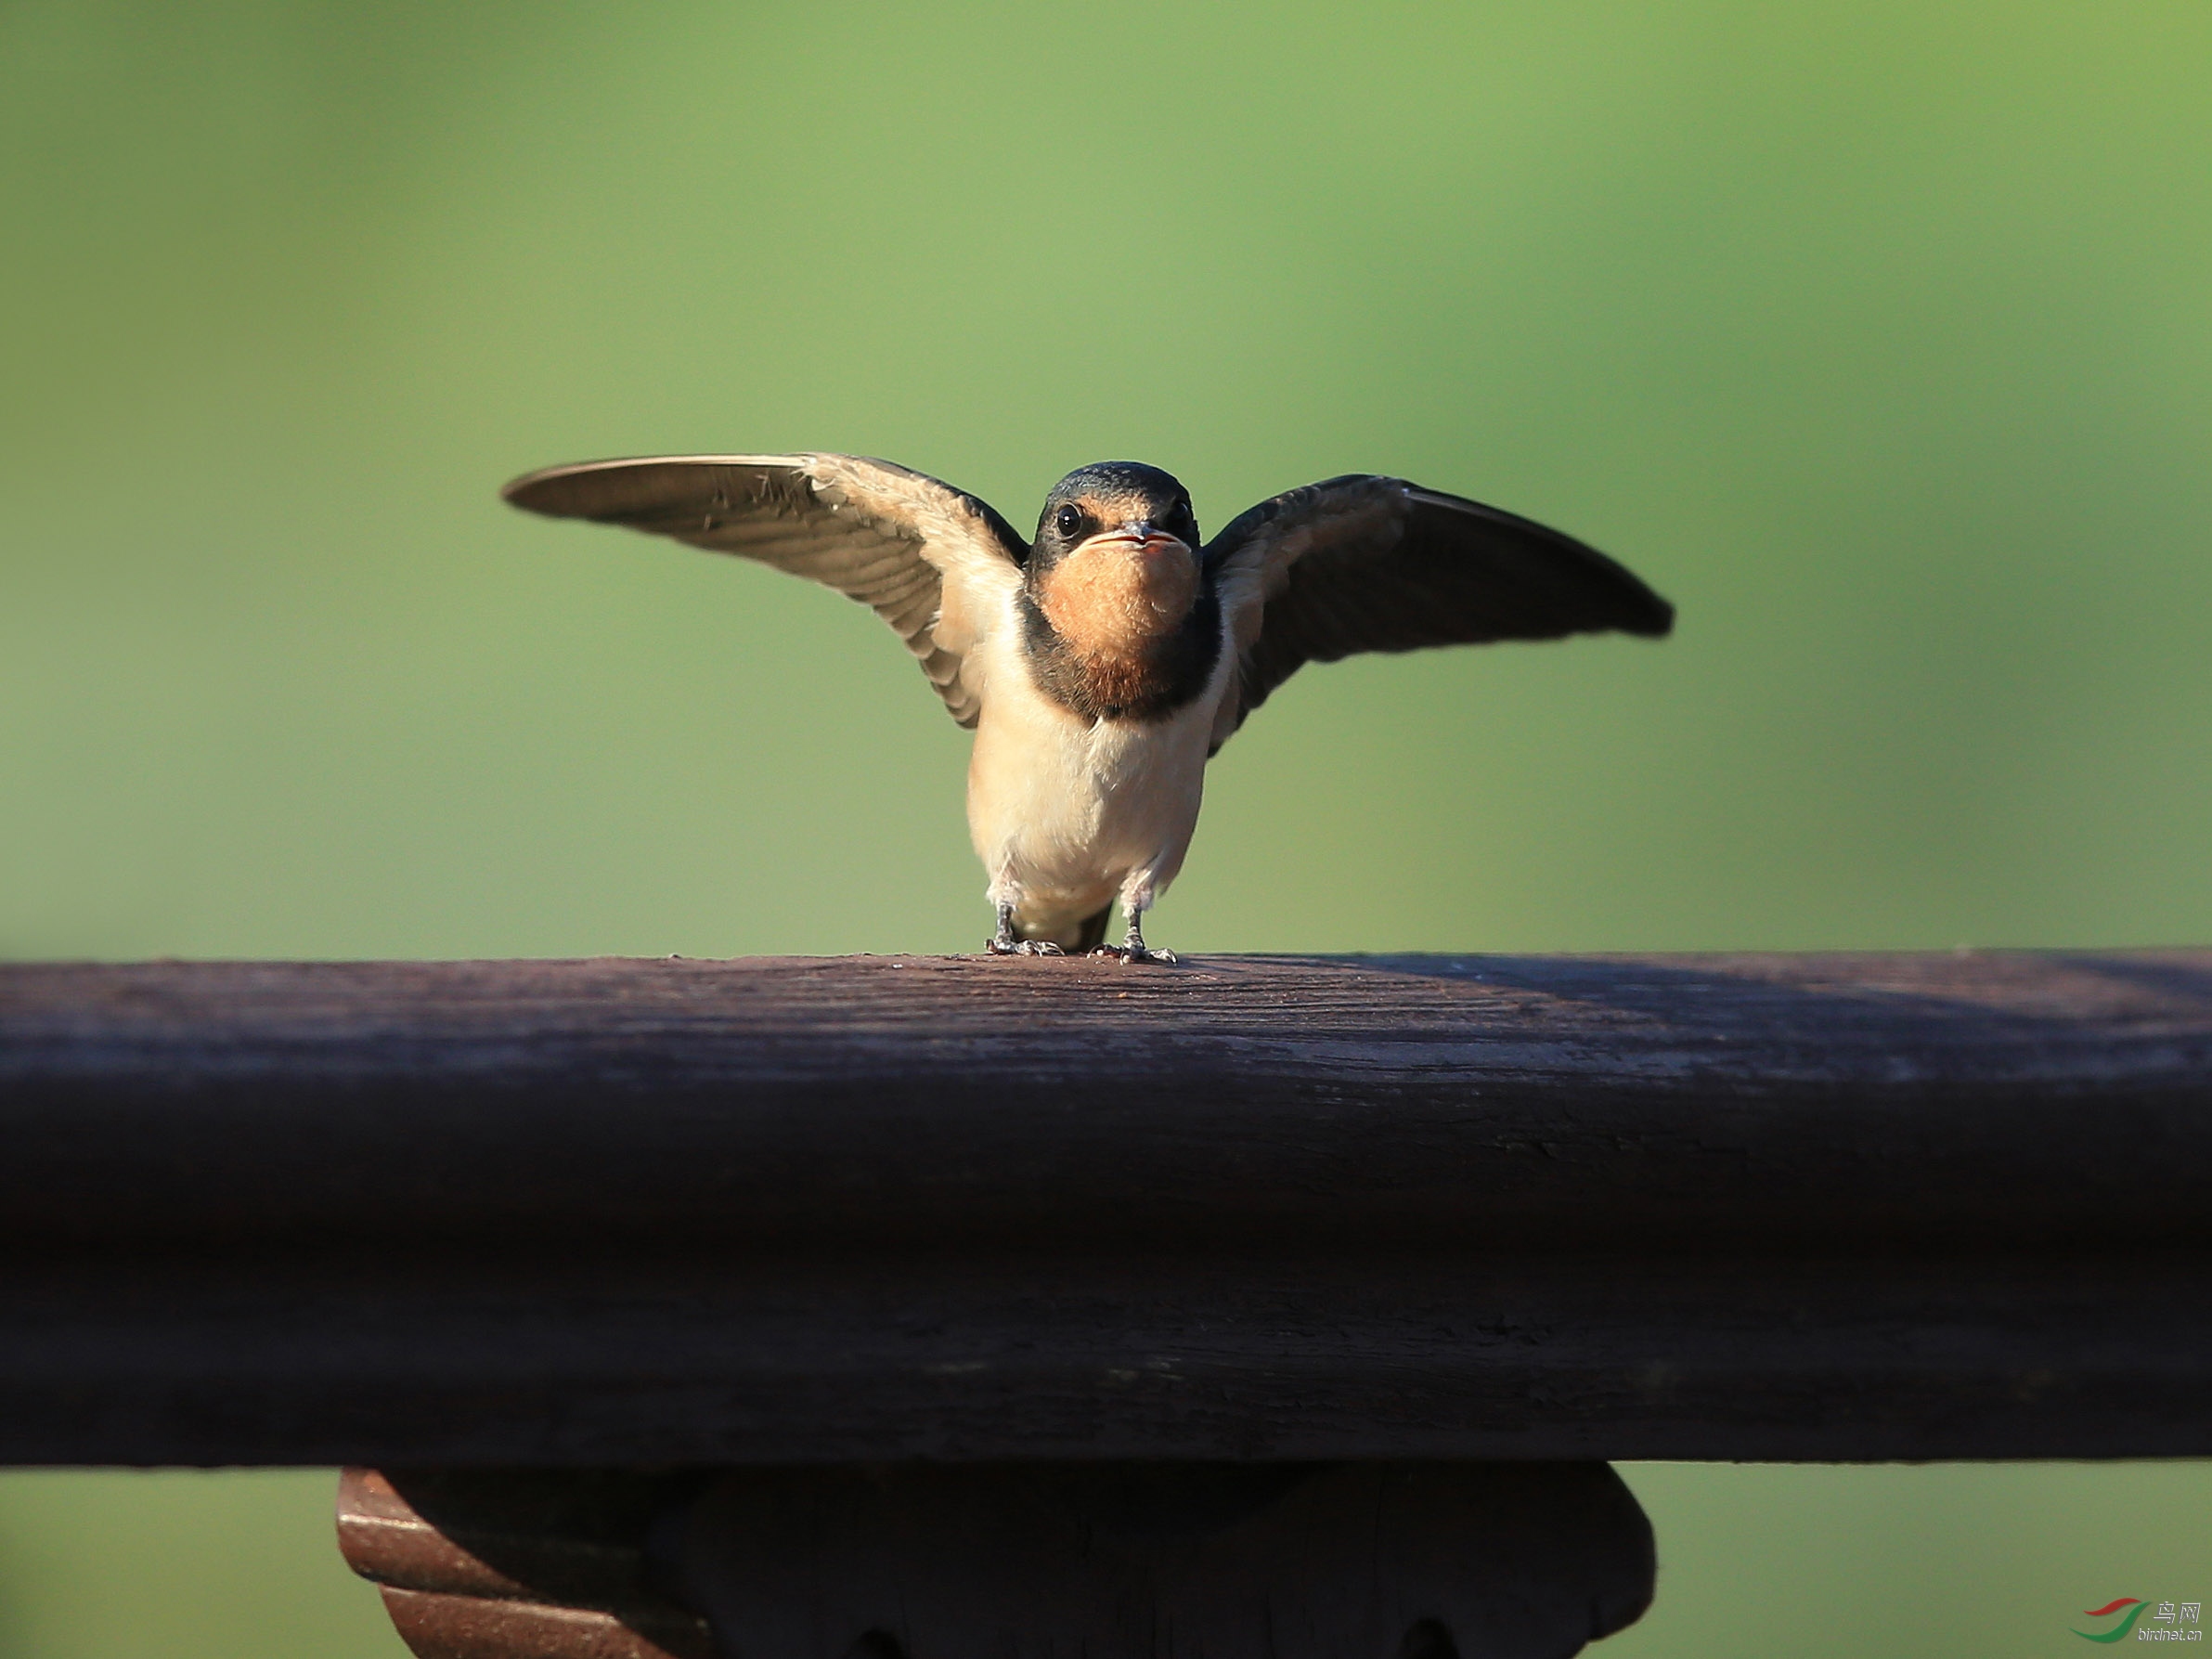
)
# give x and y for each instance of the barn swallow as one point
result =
(1103, 662)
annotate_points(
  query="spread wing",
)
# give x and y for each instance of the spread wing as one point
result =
(933, 561)
(1369, 564)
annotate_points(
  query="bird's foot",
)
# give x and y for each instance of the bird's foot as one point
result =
(1138, 953)
(1005, 943)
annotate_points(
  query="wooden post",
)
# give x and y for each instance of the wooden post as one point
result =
(1035, 1560)
(1351, 1225)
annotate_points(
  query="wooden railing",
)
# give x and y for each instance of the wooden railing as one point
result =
(1252, 1211)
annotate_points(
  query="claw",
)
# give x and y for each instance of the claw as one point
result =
(1137, 953)
(1004, 943)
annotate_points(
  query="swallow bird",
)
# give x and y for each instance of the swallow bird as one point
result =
(1104, 661)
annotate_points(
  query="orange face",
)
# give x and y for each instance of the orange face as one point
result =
(1118, 590)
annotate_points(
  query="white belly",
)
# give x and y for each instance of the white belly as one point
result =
(1068, 815)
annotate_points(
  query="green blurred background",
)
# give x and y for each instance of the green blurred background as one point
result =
(1877, 336)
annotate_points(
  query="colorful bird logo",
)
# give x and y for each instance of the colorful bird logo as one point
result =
(2134, 1604)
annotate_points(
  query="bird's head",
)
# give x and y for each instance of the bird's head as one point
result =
(1116, 560)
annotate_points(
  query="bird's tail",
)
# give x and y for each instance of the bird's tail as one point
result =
(1093, 933)
(1088, 937)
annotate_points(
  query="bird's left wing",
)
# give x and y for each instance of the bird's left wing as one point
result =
(1364, 563)
(932, 561)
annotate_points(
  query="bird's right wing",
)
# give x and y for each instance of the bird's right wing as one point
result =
(935, 562)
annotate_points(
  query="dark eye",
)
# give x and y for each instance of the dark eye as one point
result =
(1067, 520)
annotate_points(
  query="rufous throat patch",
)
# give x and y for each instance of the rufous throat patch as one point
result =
(1108, 599)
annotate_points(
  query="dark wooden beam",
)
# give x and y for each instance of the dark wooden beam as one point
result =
(814, 1211)
(1121, 1560)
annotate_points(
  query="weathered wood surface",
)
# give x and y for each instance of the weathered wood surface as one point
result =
(1970, 1097)
(820, 1210)
(1113, 1561)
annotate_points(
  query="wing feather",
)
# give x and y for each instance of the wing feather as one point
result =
(1364, 563)
(935, 562)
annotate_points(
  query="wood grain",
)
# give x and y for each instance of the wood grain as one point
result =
(788, 1210)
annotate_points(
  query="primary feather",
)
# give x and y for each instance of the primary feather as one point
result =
(892, 539)
(1364, 563)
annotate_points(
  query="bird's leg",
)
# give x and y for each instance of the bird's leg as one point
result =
(1133, 947)
(1005, 943)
